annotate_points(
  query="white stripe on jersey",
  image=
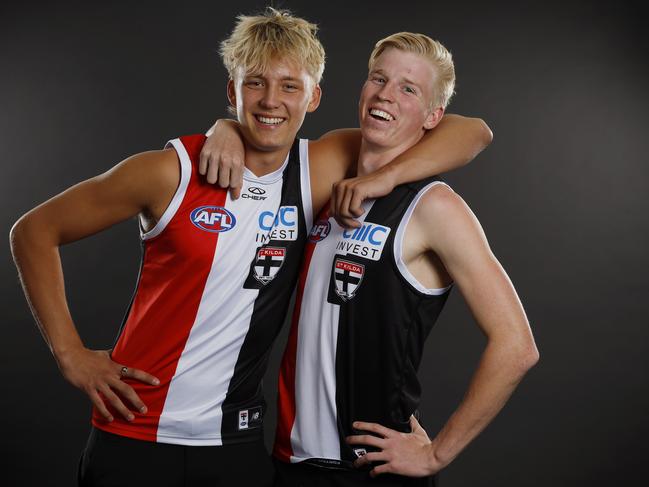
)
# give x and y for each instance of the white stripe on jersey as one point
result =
(315, 432)
(192, 412)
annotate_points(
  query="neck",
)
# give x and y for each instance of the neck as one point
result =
(372, 157)
(264, 162)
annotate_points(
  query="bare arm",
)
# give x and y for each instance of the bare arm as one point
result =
(455, 235)
(135, 185)
(454, 142)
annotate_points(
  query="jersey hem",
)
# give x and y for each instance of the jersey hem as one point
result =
(174, 440)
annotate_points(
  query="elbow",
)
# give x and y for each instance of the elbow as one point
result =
(486, 135)
(21, 234)
(531, 357)
(17, 234)
(527, 356)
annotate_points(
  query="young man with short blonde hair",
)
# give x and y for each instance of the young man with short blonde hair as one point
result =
(178, 400)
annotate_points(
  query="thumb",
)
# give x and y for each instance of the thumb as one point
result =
(415, 427)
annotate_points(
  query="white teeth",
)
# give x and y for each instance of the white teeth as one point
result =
(382, 114)
(272, 121)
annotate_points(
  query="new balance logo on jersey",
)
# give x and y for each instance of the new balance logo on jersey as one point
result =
(367, 241)
(319, 231)
(282, 225)
(268, 262)
(213, 219)
(347, 277)
(249, 418)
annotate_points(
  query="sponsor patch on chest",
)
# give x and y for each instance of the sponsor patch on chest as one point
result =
(366, 242)
(282, 225)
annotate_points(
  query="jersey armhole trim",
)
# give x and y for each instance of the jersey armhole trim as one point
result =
(305, 184)
(398, 247)
(176, 200)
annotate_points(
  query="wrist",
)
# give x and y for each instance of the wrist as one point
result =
(390, 175)
(64, 354)
(435, 460)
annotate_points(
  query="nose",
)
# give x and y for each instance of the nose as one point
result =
(270, 100)
(386, 93)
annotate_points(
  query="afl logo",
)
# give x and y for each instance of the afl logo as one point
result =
(213, 219)
(319, 231)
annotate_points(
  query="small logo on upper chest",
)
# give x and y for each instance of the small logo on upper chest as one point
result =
(367, 241)
(213, 219)
(320, 230)
(254, 193)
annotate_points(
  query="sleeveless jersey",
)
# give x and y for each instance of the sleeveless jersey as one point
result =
(357, 334)
(213, 291)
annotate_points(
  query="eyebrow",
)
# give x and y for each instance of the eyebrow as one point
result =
(286, 78)
(406, 80)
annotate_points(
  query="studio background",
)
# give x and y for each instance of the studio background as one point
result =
(561, 193)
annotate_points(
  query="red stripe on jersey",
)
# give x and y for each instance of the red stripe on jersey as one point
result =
(161, 317)
(283, 449)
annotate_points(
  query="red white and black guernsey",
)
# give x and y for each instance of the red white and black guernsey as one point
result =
(213, 291)
(357, 334)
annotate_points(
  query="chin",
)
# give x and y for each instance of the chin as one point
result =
(375, 137)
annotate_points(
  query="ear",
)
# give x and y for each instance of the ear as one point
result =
(433, 118)
(232, 96)
(315, 99)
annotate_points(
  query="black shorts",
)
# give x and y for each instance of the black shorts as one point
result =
(110, 460)
(305, 475)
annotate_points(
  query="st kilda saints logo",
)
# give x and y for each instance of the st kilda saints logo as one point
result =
(267, 263)
(347, 278)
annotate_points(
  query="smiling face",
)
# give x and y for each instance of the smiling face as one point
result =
(271, 106)
(395, 106)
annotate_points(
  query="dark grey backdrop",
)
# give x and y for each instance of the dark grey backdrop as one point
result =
(562, 194)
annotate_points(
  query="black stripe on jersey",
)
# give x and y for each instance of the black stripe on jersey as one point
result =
(270, 308)
(382, 326)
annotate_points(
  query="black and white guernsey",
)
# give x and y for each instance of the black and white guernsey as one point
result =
(357, 335)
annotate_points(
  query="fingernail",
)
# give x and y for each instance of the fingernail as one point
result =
(110, 419)
(156, 382)
(130, 417)
(143, 409)
(355, 424)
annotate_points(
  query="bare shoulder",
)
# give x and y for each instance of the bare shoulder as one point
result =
(156, 165)
(331, 159)
(440, 202)
(446, 220)
(338, 148)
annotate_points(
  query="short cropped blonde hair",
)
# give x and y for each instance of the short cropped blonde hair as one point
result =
(430, 49)
(257, 39)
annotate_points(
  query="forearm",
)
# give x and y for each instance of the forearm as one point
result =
(453, 143)
(39, 267)
(499, 371)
